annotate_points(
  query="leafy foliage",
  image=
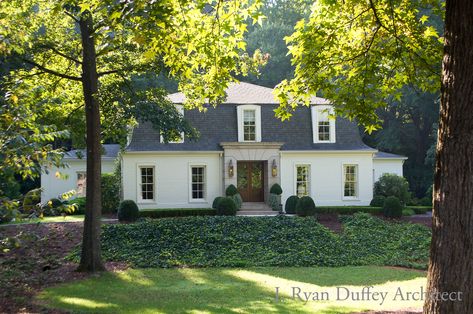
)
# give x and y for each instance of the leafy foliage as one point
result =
(408, 212)
(231, 190)
(360, 54)
(128, 211)
(79, 203)
(256, 241)
(226, 207)
(378, 201)
(110, 193)
(290, 206)
(393, 185)
(217, 201)
(392, 207)
(177, 212)
(274, 202)
(305, 206)
(275, 189)
(238, 200)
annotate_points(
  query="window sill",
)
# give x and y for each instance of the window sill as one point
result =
(198, 200)
(146, 202)
(348, 198)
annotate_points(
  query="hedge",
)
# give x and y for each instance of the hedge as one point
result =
(179, 212)
(237, 241)
(350, 210)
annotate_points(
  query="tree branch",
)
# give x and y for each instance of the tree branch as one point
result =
(49, 71)
(56, 51)
(72, 16)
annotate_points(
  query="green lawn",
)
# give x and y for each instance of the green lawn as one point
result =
(73, 218)
(233, 290)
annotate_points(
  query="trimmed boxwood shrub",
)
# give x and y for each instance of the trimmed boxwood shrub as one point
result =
(305, 206)
(275, 189)
(408, 212)
(392, 207)
(231, 190)
(226, 207)
(274, 202)
(110, 193)
(420, 210)
(238, 200)
(377, 201)
(128, 211)
(426, 201)
(180, 212)
(217, 201)
(291, 202)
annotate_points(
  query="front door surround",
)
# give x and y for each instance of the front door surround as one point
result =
(250, 180)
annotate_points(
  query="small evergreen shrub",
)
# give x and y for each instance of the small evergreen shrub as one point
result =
(231, 190)
(54, 203)
(305, 207)
(79, 204)
(110, 193)
(392, 207)
(408, 212)
(393, 185)
(128, 211)
(377, 201)
(426, 201)
(275, 189)
(291, 202)
(420, 210)
(226, 207)
(238, 200)
(217, 201)
(274, 202)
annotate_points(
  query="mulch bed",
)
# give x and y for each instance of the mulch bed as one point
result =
(38, 262)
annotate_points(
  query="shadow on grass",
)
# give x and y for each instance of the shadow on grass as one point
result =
(214, 290)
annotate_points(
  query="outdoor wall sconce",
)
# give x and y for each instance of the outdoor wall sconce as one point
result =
(230, 169)
(274, 168)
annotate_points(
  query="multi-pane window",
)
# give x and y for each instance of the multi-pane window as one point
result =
(350, 181)
(147, 183)
(302, 180)
(324, 130)
(81, 183)
(249, 125)
(198, 182)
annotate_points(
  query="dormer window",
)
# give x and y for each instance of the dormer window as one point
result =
(323, 124)
(249, 123)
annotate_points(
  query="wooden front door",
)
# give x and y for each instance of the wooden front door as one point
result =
(250, 180)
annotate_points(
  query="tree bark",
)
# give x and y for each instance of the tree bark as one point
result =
(91, 259)
(451, 268)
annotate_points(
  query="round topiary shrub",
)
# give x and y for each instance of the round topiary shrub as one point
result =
(226, 207)
(392, 207)
(305, 207)
(378, 201)
(238, 200)
(274, 202)
(275, 189)
(231, 190)
(216, 201)
(291, 203)
(128, 211)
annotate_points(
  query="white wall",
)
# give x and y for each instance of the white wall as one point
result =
(54, 186)
(172, 178)
(382, 166)
(326, 177)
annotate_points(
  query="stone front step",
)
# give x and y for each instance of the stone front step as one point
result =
(255, 206)
(256, 213)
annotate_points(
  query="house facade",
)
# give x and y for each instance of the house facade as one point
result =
(242, 143)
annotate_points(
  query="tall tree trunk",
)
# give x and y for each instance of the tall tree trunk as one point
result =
(91, 259)
(451, 268)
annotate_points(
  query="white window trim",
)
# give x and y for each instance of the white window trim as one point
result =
(357, 186)
(309, 188)
(257, 110)
(139, 196)
(179, 108)
(315, 123)
(197, 200)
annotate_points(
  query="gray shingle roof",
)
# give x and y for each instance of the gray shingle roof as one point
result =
(384, 155)
(219, 125)
(111, 152)
(246, 93)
